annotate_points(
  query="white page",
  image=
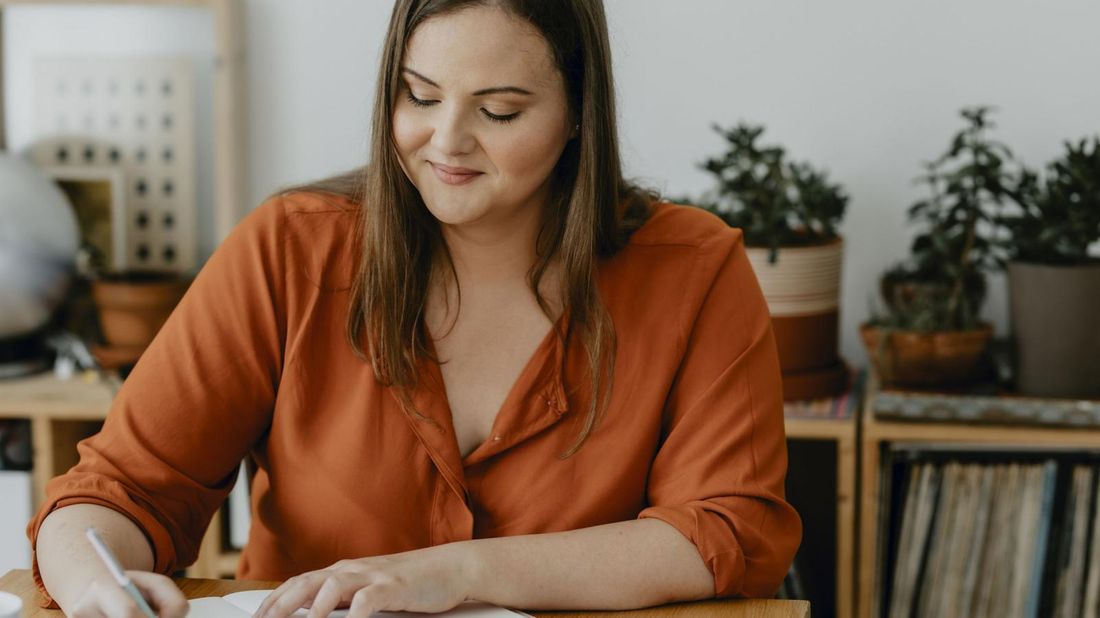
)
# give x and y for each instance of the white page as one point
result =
(214, 607)
(244, 604)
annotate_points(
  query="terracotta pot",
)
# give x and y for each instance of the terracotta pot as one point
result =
(910, 358)
(817, 383)
(803, 293)
(806, 342)
(1056, 327)
(132, 310)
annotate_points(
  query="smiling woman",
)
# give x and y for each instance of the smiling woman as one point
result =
(483, 366)
(450, 133)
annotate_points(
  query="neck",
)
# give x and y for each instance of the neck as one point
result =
(491, 264)
(494, 253)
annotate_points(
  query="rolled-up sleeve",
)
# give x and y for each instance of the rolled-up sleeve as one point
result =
(200, 396)
(718, 476)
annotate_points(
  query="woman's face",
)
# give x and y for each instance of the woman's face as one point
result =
(482, 117)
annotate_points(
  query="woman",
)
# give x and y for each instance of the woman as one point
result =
(485, 368)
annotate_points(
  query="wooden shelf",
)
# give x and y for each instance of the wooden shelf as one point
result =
(842, 432)
(44, 396)
(878, 432)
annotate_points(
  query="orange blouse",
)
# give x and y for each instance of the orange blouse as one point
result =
(254, 363)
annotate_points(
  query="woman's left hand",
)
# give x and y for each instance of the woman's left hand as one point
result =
(430, 580)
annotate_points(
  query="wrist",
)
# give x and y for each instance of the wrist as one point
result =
(471, 561)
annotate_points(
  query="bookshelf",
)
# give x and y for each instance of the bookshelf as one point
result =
(963, 424)
(64, 412)
(823, 435)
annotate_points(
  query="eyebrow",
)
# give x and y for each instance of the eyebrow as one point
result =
(483, 91)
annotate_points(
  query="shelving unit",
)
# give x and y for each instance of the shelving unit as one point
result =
(838, 435)
(64, 412)
(878, 432)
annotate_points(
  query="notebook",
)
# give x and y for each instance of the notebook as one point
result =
(244, 604)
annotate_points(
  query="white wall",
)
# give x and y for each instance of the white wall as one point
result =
(865, 89)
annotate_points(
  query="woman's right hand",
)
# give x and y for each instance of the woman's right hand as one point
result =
(104, 598)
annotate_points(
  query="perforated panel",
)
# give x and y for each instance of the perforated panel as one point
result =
(138, 114)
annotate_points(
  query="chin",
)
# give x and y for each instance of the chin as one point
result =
(456, 212)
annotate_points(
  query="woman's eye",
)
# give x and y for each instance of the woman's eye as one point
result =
(418, 102)
(499, 118)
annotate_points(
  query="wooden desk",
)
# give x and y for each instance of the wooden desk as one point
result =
(19, 582)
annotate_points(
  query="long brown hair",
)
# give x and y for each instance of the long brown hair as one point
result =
(590, 215)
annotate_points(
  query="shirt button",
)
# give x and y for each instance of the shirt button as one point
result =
(496, 438)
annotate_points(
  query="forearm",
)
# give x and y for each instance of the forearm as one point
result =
(624, 565)
(66, 559)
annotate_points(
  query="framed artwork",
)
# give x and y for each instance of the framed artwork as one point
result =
(97, 196)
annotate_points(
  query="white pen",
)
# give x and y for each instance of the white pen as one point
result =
(117, 572)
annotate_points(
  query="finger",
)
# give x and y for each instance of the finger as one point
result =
(114, 602)
(301, 589)
(163, 594)
(87, 607)
(362, 603)
(334, 589)
(375, 598)
(270, 599)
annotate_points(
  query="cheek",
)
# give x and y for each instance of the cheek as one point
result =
(531, 155)
(408, 134)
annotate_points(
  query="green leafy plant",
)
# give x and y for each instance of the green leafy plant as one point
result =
(942, 283)
(776, 203)
(1058, 218)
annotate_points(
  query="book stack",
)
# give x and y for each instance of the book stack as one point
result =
(987, 533)
(841, 407)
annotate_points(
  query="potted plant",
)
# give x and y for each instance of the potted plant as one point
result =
(788, 213)
(1053, 281)
(931, 333)
(131, 306)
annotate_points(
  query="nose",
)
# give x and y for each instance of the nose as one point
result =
(451, 135)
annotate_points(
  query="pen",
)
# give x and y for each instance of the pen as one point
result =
(117, 572)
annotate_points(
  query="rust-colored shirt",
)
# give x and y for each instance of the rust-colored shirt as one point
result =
(254, 362)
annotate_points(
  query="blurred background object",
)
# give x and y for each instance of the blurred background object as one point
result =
(38, 244)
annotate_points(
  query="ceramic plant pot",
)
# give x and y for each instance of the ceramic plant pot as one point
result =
(133, 307)
(1055, 318)
(803, 293)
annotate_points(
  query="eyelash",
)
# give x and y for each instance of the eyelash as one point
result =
(489, 116)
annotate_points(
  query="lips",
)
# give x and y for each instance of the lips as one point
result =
(454, 175)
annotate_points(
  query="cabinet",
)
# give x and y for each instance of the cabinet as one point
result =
(63, 412)
(1008, 423)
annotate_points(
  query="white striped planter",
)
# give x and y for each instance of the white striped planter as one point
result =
(802, 290)
(803, 281)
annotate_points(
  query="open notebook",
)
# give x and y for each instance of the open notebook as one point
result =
(244, 604)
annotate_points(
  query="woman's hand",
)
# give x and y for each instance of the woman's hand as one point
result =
(105, 598)
(429, 580)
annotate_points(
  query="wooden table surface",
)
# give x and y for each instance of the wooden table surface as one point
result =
(19, 582)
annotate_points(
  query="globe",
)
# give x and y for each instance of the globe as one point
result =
(39, 237)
